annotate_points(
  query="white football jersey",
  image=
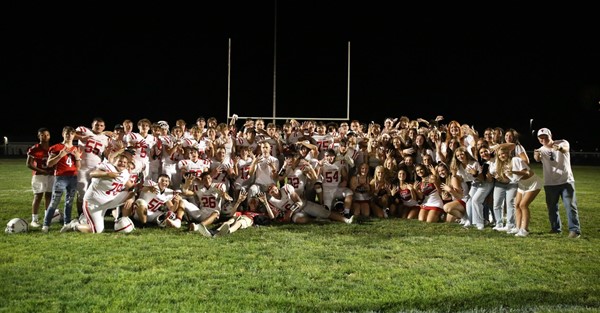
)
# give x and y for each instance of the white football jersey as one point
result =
(92, 147)
(331, 175)
(157, 200)
(103, 190)
(142, 145)
(210, 197)
(286, 202)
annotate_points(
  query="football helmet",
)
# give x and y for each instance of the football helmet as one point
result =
(16, 225)
(161, 220)
(338, 206)
(124, 225)
(57, 217)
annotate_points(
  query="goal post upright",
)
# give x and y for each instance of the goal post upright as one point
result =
(275, 117)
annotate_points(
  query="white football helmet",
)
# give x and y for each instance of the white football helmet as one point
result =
(57, 217)
(161, 220)
(16, 225)
(124, 225)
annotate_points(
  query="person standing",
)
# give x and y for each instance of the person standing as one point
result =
(66, 158)
(529, 185)
(505, 191)
(241, 168)
(512, 136)
(264, 168)
(221, 168)
(559, 181)
(42, 176)
(142, 142)
(92, 143)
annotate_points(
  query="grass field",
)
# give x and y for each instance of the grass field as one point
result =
(376, 266)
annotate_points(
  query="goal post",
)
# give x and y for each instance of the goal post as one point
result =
(274, 117)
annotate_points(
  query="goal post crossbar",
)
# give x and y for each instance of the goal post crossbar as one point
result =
(295, 118)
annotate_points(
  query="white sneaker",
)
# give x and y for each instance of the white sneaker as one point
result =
(480, 226)
(174, 223)
(512, 231)
(223, 231)
(82, 219)
(522, 233)
(66, 227)
(204, 231)
(74, 223)
(349, 220)
(45, 229)
(193, 227)
(35, 224)
(466, 224)
(499, 227)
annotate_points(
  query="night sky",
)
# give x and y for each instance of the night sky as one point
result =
(481, 69)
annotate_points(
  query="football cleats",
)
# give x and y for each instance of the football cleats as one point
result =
(16, 225)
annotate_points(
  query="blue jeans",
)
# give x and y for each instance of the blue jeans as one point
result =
(61, 184)
(479, 191)
(567, 192)
(505, 193)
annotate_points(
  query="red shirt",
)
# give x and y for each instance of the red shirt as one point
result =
(66, 165)
(39, 155)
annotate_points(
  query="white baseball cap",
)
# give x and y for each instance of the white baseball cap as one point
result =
(544, 131)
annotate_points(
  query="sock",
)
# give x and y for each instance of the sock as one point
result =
(346, 211)
(34, 217)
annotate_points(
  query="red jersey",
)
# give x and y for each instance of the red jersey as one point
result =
(66, 166)
(251, 214)
(39, 155)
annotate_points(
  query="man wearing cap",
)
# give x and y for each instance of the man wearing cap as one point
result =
(558, 181)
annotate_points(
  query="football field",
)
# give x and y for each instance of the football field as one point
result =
(376, 265)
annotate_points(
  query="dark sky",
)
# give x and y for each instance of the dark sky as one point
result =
(483, 69)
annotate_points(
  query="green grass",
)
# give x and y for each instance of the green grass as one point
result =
(376, 266)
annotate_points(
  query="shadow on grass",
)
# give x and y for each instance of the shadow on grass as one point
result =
(515, 300)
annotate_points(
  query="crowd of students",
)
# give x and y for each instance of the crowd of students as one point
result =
(221, 177)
